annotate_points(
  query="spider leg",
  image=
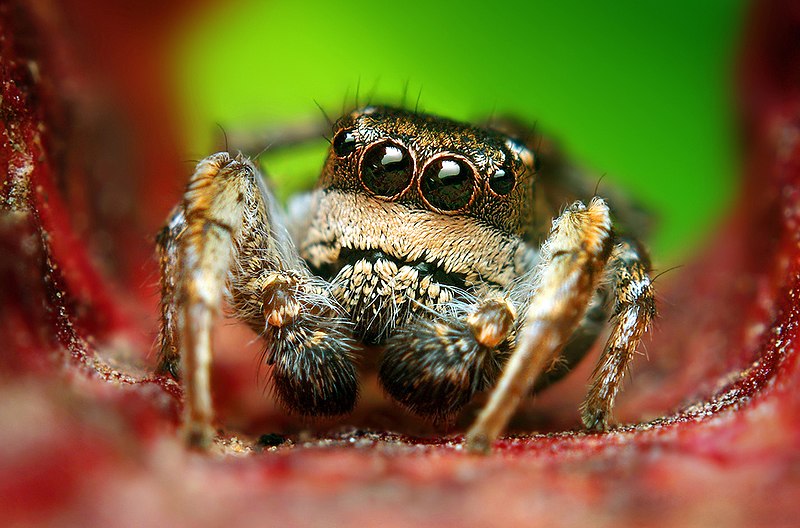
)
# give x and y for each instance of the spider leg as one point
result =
(572, 262)
(309, 346)
(226, 238)
(435, 365)
(252, 141)
(213, 213)
(169, 335)
(579, 343)
(634, 309)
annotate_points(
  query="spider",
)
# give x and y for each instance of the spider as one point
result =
(429, 237)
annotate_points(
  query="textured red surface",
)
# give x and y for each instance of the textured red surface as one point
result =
(89, 437)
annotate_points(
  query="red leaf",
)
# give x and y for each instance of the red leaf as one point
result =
(89, 436)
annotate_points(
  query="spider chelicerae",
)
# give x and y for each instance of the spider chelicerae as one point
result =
(431, 238)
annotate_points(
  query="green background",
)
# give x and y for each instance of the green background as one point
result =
(638, 90)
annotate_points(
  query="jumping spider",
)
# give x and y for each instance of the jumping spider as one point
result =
(423, 235)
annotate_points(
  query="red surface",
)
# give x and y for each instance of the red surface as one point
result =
(89, 438)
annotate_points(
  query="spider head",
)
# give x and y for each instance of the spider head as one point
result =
(412, 208)
(429, 163)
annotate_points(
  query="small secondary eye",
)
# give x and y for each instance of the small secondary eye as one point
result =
(448, 184)
(344, 143)
(502, 181)
(386, 169)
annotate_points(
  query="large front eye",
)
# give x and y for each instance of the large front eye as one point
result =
(448, 183)
(386, 169)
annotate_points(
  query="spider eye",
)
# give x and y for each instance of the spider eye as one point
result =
(448, 184)
(502, 181)
(344, 143)
(386, 169)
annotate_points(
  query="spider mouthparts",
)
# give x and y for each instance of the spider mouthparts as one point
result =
(420, 265)
(383, 292)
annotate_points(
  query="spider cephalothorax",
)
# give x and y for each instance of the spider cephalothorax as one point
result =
(421, 237)
(412, 211)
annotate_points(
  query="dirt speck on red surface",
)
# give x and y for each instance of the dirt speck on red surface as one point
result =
(89, 436)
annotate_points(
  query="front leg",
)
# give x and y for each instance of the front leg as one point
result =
(226, 237)
(435, 364)
(213, 213)
(572, 261)
(308, 340)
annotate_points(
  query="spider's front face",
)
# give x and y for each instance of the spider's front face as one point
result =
(414, 210)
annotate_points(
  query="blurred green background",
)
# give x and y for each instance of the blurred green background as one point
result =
(639, 90)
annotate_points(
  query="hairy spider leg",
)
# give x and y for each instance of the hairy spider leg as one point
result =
(634, 309)
(229, 239)
(562, 285)
(436, 363)
(275, 138)
(169, 335)
(579, 343)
